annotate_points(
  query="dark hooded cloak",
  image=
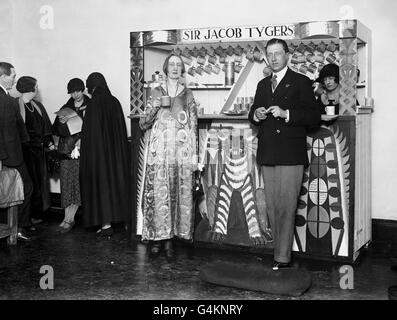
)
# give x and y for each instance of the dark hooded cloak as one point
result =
(105, 161)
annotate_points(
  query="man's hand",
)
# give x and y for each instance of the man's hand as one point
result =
(62, 119)
(156, 102)
(260, 113)
(277, 112)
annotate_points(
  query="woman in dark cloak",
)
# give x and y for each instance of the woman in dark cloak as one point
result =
(104, 162)
(38, 126)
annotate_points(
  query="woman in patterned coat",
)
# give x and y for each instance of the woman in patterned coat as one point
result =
(170, 161)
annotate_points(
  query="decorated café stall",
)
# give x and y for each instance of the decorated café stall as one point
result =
(224, 65)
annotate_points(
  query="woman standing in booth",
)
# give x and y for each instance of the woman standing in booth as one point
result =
(329, 79)
(167, 203)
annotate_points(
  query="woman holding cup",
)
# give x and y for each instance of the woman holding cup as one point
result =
(170, 161)
(329, 80)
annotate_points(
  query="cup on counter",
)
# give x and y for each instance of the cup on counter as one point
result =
(369, 102)
(237, 108)
(165, 101)
(330, 110)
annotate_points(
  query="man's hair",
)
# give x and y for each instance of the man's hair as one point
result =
(5, 68)
(26, 84)
(275, 41)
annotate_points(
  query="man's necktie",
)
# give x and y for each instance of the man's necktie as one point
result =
(274, 82)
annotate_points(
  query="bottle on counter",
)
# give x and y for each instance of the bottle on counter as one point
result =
(229, 73)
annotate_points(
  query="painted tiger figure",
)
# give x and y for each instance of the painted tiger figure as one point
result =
(236, 176)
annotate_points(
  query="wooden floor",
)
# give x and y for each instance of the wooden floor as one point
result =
(118, 268)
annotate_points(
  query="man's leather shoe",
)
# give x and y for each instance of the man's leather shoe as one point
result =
(23, 236)
(281, 265)
(31, 228)
(108, 232)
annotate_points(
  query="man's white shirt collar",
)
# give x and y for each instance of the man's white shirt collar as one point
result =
(280, 75)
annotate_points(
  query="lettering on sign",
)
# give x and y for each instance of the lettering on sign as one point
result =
(238, 33)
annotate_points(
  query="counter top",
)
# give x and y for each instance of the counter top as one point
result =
(221, 116)
(217, 116)
(324, 117)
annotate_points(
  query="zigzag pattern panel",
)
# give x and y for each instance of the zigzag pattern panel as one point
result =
(348, 76)
(137, 98)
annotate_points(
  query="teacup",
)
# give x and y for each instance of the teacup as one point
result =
(330, 110)
(165, 101)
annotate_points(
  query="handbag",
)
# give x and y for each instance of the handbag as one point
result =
(198, 190)
(54, 162)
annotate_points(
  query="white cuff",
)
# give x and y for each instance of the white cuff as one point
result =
(287, 118)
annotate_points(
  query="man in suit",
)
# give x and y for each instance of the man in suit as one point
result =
(12, 134)
(284, 106)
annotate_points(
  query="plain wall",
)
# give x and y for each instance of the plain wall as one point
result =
(93, 35)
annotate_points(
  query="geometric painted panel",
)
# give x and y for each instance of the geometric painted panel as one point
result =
(348, 75)
(322, 217)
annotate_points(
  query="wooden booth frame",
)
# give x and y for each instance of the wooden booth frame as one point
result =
(334, 212)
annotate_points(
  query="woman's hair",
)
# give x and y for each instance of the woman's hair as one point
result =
(75, 84)
(329, 70)
(26, 84)
(165, 65)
